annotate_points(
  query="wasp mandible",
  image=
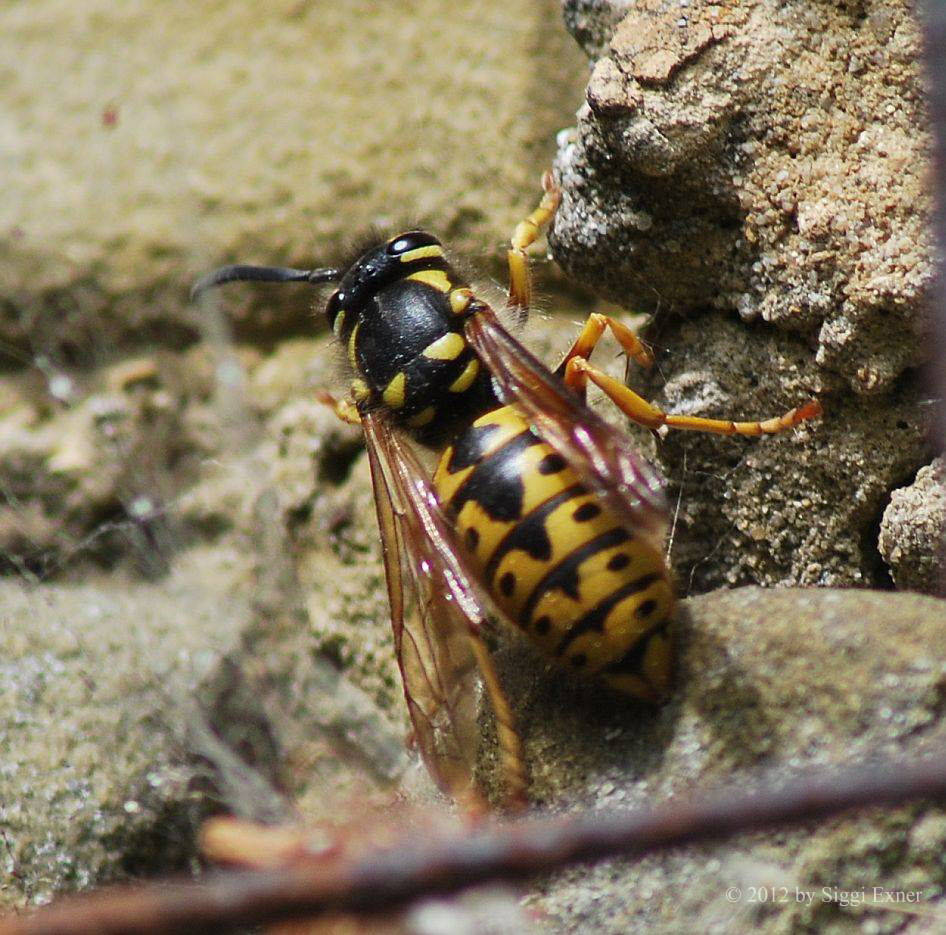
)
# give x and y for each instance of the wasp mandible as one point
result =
(539, 512)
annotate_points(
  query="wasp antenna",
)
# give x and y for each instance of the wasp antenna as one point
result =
(242, 273)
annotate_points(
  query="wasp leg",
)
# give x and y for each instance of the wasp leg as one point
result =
(591, 334)
(579, 372)
(237, 841)
(345, 408)
(510, 745)
(526, 233)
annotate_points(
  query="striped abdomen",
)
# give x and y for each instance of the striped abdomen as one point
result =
(592, 594)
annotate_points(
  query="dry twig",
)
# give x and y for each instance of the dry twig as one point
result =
(392, 878)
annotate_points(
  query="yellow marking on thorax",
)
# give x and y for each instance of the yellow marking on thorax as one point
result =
(352, 343)
(460, 300)
(394, 392)
(465, 380)
(360, 390)
(424, 417)
(449, 347)
(339, 323)
(436, 278)
(421, 253)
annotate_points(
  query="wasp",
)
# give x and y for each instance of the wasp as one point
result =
(539, 512)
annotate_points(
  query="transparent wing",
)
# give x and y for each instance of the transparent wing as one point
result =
(437, 620)
(599, 453)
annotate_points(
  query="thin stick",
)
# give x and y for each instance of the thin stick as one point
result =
(514, 851)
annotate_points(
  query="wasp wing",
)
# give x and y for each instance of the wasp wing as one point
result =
(599, 453)
(436, 620)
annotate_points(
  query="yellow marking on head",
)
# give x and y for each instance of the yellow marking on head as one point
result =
(435, 278)
(393, 394)
(352, 343)
(424, 417)
(460, 300)
(339, 323)
(449, 347)
(421, 253)
(465, 380)
(360, 390)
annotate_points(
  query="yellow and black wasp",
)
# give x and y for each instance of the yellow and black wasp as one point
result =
(539, 511)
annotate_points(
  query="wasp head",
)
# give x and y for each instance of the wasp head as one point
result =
(397, 258)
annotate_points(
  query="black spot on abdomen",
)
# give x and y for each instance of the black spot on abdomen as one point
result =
(564, 576)
(594, 619)
(530, 535)
(496, 482)
(552, 463)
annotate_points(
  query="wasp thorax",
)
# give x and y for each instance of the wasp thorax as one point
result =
(399, 312)
(409, 252)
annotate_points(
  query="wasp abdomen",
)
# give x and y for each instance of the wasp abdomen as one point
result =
(592, 594)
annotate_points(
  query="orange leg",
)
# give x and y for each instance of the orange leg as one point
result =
(526, 233)
(510, 744)
(345, 408)
(589, 337)
(244, 843)
(578, 372)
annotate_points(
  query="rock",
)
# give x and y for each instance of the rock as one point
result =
(217, 136)
(136, 708)
(800, 507)
(133, 711)
(770, 684)
(730, 164)
(592, 22)
(90, 478)
(913, 532)
(701, 174)
(97, 679)
(195, 614)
